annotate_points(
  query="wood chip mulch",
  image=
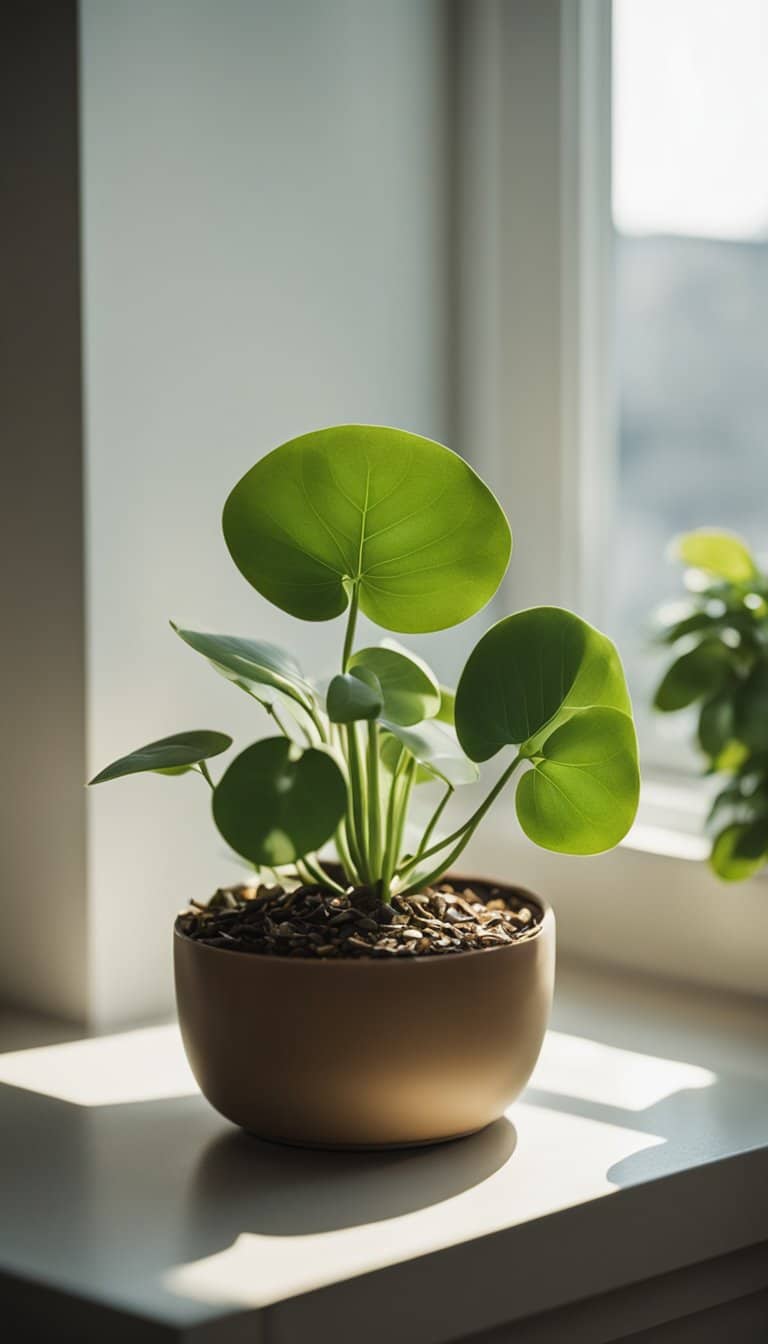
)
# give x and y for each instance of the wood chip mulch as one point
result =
(311, 921)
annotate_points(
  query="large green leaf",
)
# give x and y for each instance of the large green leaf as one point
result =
(581, 795)
(276, 803)
(694, 674)
(740, 851)
(353, 696)
(720, 553)
(254, 665)
(169, 755)
(436, 750)
(529, 672)
(409, 690)
(399, 516)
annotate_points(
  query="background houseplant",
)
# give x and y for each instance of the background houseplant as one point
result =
(368, 519)
(720, 638)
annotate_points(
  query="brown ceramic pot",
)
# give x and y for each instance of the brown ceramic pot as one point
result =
(365, 1053)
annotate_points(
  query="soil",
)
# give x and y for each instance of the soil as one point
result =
(312, 921)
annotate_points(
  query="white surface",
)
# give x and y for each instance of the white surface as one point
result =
(162, 1208)
(266, 231)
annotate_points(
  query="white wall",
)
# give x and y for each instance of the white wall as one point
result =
(266, 248)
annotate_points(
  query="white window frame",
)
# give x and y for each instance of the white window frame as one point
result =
(536, 382)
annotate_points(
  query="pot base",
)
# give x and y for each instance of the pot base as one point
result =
(361, 1053)
(363, 1147)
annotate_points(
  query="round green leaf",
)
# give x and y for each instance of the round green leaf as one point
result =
(275, 803)
(434, 747)
(740, 851)
(168, 755)
(401, 517)
(251, 664)
(353, 696)
(581, 795)
(720, 553)
(694, 674)
(530, 671)
(409, 690)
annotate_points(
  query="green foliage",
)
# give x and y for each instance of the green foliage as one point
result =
(400, 520)
(275, 803)
(720, 638)
(168, 756)
(362, 518)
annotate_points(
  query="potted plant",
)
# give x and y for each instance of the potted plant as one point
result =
(720, 638)
(375, 1000)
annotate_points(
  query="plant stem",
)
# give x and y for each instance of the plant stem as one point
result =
(374, 800)
(342, 848)
(397, 808)
(436, 815)
(463, 833)
(390, 855)
(313, 869)
(204, 771)
(358, 795)
(351, 623)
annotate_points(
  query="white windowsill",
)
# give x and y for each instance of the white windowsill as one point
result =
(638, 1151)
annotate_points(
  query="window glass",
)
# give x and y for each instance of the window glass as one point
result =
(690, 210)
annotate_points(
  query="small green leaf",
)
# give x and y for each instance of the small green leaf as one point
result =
(720, 553)
(694, 674)
(581, 795)
(752, 708)
(167, 755)
(435, 748)
(690, 625)
(529, 672)
(399, 517)
(740, 851)
(354, 695)
(252, 664)
(409, 690)
(274, 804)
(717, 723)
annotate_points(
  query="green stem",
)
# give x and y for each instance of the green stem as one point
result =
(397, 808)
(358, 794)
(347, 862)
(436, 815)
(374, 800)
(205, 772)
(349, 637)
(311, 867)
(465, 832)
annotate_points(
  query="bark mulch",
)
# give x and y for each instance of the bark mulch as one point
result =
(311, 921)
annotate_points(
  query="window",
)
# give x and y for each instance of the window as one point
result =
(690, 211)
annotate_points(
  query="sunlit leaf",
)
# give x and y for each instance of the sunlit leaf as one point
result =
(167, 755)
(581, 795)
(253, 665)
(409, 690)
(719, 553)
(435, 748)
(276, 803)
(402, 518)
(740, 851)
(353, 696)
(529, 672)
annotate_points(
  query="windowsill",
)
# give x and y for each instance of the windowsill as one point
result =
(639, 1151)
(652, 905)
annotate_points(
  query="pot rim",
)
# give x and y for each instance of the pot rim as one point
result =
(546, 923)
